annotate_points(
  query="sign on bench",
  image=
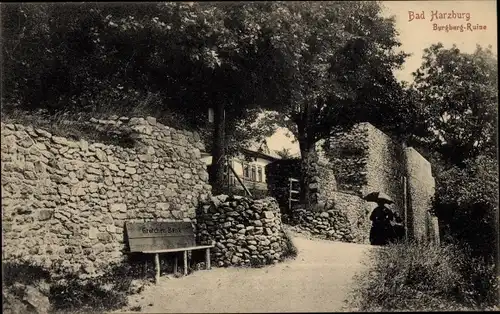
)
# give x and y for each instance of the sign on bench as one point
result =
(156, 237)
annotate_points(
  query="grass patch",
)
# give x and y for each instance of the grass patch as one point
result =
(73, 126)
(76, 125)
(412, 276)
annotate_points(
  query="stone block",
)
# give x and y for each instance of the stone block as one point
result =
(118, 207)
(93, 233)
(45, 214)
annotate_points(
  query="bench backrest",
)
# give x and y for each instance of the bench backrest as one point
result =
(154, 235)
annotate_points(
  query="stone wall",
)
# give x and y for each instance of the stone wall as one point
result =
(343, 218)
(65, 202)
(245, 231)
(384, 167)
(421, 185)
(348, 153)
(364, 160)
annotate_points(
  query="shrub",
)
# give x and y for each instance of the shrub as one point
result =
(22, 273)
(409, 276)
(74, 295)
(290, 250)
(70, 293)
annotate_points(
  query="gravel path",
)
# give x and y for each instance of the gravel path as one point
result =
(319, 279)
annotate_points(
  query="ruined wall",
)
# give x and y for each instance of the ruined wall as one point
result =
(365, 160)
(348, 153)
(245, 231)
(384, 167)
(65, 202)
(327, 182)
(343, 218)
(350, 165)
(421, 185)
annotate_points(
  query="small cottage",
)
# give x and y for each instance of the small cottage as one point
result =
(250, 166)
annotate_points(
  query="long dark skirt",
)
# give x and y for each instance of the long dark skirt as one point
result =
(379, 234)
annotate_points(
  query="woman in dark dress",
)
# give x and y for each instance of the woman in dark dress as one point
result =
(381, 226)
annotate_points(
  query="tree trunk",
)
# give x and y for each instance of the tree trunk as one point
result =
(218, 151)
(307, 151)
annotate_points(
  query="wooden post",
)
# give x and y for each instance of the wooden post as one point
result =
(175, 263)
(405, 207)
(207, 259)
(157, 268)
(185, 263)
(240, 182)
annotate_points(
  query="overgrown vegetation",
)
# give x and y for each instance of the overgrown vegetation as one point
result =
(290, 250)
(74, 126)
(71, 294)
(313, 63)
(413, 276)
(455, 96)
(96, 296)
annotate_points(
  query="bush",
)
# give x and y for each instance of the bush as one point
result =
(290, 251)
(409, 276)
(22, 273)
(70, 293)
(105, 293)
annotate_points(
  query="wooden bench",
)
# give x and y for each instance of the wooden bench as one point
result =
(164, 237)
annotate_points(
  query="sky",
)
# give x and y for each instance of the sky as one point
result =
(419, 33)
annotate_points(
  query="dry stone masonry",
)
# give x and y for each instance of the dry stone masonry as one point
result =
(348, 166)
(343, 218)
(65, 202)
(364, 160)
(246, 232)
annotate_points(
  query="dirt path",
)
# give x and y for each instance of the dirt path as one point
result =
(318, 279)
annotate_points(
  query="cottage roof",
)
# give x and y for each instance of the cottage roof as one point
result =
(263, 149)
(256, 148)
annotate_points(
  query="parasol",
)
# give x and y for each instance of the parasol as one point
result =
(378, 197)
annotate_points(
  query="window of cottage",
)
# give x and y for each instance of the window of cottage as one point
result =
(259, 174)
(246, 171)
(254, 173)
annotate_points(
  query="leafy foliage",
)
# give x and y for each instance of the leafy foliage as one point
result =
(459, 92)
(154, 58)
(332, 67)
(330, 56)
(458, 96)
(466, 201)
(284, 153)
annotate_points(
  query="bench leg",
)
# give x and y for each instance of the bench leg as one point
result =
(175, 263)
(157, 268)
(207, 259)
(185, 263)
